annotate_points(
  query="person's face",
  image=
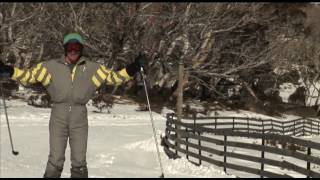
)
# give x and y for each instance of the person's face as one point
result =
(73, 52)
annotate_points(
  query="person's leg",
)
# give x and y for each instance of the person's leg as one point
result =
(78, 146)
(78, 129)
(58, 133)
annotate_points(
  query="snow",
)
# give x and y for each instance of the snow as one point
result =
(286, 89)
(120, 144)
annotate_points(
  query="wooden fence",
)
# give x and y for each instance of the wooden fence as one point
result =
(200, 140)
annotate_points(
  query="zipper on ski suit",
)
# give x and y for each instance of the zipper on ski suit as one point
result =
(73, 71)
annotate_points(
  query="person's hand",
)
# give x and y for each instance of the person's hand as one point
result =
(1, 65)
(5, 70)
(141, 61)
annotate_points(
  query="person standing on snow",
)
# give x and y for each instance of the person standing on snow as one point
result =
(70, 81)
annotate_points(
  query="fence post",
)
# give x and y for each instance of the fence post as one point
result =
(194, 123)
(311, 122)
(225, 154)
(187, 141)
(262, 125)
(294, 128)
(199, 141)
(303, 127)
(199, 144)
(282, 128)
(232, 123)
(248, 124)
(215, 124)
(176, 136)
(271, 125)
(308, 162)
(262, 157)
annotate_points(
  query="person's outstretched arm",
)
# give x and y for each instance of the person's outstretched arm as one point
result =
(37, 73)
(116, 78)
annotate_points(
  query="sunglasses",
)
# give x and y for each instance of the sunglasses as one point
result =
(73, 47)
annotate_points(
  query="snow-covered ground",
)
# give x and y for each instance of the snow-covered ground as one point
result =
(120, 144)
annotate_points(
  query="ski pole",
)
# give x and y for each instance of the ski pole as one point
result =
(5, 110)
(154, 131)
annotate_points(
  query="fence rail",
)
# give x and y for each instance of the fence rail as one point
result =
(200, 140)
(308, 125)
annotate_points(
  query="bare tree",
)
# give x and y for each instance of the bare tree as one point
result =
(216, 41)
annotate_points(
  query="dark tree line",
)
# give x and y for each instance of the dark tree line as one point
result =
(230, 50)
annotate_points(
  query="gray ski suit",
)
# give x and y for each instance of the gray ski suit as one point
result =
(69, 90)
